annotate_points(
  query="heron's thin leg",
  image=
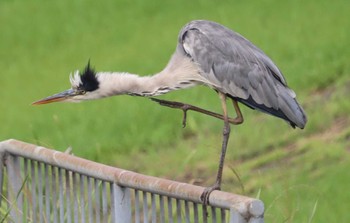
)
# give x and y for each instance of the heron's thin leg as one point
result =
(226, 134)
(187, 107)
(239, 119)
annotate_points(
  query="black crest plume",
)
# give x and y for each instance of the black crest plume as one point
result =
(88, 78)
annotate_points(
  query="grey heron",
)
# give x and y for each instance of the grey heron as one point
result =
(209, 54)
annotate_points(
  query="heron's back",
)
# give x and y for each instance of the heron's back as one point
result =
(233, 65)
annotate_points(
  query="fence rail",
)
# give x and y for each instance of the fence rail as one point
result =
(43, 185)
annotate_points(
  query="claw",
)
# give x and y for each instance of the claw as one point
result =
(206, 193)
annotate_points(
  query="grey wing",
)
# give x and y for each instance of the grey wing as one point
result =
(233, 65)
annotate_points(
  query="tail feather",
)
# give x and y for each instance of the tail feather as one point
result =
(291, 108)
(288, 109)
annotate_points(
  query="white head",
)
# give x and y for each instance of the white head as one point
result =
(85, 86)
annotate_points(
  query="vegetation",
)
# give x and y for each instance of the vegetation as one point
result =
(302, 176)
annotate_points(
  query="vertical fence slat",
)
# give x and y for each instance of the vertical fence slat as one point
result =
(97, 201)
(187, 212)
(137, 206)
(89, 194)
(68, 197)
(145, 207)
(54, 194)
(235, 217)
(195, 213)
(82, 198)
(114, 204)
(15, 195)
(161, 208)
(75, 197)
(104, 201)
(223, 215)
(170, 210)
(33, 190)
(61, 195)
(1, 174)
(204, 214)
(154, 208)
(47, 193)
(178, 211)
(213, 214)
(121, 203)
(26, 214)
(40, 193)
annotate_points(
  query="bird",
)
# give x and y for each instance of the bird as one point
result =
(209, 54)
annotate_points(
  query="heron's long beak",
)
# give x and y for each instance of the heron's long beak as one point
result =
(62, 96)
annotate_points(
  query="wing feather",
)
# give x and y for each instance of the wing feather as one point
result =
(233, 65)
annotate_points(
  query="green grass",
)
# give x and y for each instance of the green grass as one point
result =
(300, 175)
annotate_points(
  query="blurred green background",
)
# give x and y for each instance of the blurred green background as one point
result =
(301, 175)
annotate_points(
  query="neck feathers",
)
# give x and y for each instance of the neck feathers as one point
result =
(180, 73)
(124, 83)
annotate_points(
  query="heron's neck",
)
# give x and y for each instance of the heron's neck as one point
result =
(177, 75)
(116, 83)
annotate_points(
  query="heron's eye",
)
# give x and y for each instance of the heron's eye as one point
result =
(80, 92)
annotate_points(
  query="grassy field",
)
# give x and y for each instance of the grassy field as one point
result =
(302, 176)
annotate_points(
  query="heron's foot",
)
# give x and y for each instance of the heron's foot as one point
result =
(207, 191)
(178, 105)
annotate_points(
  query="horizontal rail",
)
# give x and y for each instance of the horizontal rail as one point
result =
(245, 206)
